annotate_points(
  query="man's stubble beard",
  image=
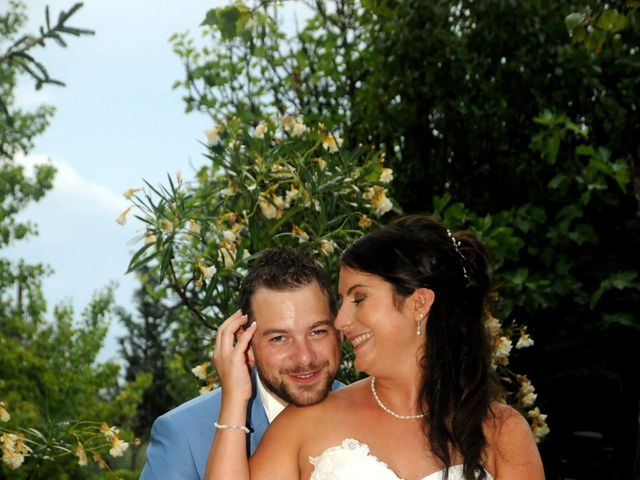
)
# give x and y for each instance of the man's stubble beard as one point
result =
(303, 395)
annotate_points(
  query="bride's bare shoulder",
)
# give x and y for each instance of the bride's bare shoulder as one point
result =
(339, 402)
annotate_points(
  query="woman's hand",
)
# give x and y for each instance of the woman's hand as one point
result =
(233, 362)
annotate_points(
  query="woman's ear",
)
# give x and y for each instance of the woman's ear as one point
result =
(422, 300)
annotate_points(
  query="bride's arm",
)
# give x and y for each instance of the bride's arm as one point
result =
(228, 454)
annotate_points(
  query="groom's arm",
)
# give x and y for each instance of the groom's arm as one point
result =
(169, 455)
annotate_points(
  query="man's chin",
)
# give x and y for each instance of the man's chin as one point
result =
(306, 395)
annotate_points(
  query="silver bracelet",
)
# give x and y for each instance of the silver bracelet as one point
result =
(226, 426)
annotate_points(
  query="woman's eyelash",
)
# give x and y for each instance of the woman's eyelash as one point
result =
(357, 301)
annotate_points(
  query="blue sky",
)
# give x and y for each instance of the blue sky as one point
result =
(117, 122)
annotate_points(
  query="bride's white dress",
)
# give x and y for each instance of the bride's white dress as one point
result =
(351, 460)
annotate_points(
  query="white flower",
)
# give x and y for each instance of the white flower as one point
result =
(386, 176)
(213, 136)
(118, 447)
(492, 324)
(229, 236)
(267, 209)
(200, 371)
(332, 143)
(298, 128)
(327, 247)
(260, 130)
(525, 340)
(12, 459)
(502, 350)
(290, 196)
(538, 424)
(207, 272)
(380, 204)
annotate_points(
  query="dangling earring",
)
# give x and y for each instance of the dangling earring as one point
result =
(419, 329)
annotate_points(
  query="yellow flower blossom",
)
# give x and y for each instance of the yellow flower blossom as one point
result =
(298, 128)
(14, 449)
(122, 218)
(290, 196)
(300, 233)
(229, 236)
(167, 225)
(364, 222)
(207, 272)
(99, 460)
(179, 176)
(322, 163)
(327, 247)
(82, 455)
(110, 433)
(4, 414)
(194, 227)
(213, 136)
(130, 193)
(150, 238)
(200, 371)
(260, 130)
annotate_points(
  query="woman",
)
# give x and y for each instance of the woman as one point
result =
(413, 297)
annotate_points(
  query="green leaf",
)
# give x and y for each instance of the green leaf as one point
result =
(612, 21)
(574, 20)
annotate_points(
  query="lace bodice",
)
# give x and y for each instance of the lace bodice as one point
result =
(351, 460)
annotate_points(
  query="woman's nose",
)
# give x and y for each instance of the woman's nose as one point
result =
(342, 319)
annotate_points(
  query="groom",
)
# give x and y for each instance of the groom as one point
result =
(296, 351)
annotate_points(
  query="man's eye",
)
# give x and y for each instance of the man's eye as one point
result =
(319, 331)
(278, 339)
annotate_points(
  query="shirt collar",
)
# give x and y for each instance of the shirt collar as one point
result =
(272, 406)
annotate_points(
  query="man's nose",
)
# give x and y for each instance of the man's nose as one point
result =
(305, 352)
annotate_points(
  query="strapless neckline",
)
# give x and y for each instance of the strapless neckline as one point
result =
(353, 460)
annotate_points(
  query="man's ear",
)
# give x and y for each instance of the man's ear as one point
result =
(251, 359)
(422, 299)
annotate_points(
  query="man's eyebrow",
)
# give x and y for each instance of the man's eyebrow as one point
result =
(321, 323)
(271, 331)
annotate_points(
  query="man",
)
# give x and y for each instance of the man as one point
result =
(296, 351)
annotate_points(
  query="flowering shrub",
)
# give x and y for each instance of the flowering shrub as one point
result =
(277, 182)
(80, 439)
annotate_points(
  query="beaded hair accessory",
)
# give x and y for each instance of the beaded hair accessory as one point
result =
(457, 245)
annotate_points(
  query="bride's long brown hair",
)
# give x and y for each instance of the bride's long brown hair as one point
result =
(457, 384)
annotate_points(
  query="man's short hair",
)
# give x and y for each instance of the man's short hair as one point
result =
(284, 268)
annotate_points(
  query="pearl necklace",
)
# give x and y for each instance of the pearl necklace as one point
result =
(389, 411)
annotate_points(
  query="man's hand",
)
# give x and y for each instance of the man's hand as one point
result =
(231, 361)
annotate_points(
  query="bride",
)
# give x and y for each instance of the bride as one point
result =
(413, 297)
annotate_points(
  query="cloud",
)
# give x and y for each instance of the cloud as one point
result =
(80, 239)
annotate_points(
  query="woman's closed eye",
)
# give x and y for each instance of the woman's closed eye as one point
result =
(358, 300)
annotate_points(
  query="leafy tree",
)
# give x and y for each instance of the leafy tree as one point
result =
(518, 120)
(52, 390)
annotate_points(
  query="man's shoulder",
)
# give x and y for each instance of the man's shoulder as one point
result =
(206, 403)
